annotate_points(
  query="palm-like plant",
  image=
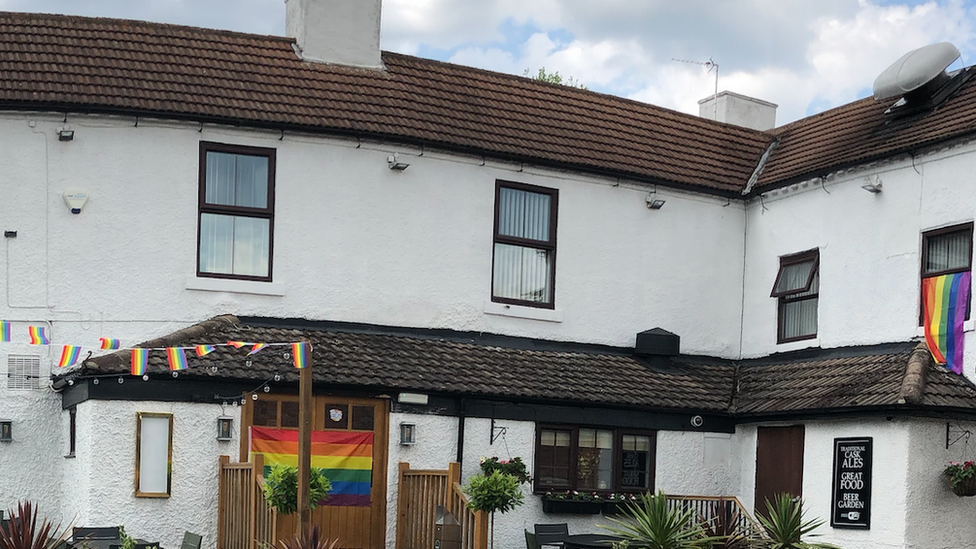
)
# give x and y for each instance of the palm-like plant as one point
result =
(309, 540)
(23, 531)
(785, 527)
(648, 522)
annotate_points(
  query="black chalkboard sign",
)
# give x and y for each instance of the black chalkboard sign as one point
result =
(634, 469)
(851, 498)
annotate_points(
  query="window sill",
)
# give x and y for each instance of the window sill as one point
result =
(967, 326)
(234, 286)
(798, 344)
(517, 311)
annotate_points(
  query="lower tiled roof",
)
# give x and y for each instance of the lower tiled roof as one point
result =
(899, 375)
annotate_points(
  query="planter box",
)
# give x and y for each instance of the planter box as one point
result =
(615, 507)
(571, 507)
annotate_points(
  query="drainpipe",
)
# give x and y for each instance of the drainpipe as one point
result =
(460, 432)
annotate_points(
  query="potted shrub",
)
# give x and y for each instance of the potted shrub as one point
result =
(515, 467)
(961, 478)
(495, 492)
(572, 502)
(281, 488)
(784, 526)
(651, 523)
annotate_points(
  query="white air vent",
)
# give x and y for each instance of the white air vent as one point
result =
(23, 372)
(915, 69)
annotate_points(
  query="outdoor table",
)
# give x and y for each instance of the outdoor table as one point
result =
(590, 541)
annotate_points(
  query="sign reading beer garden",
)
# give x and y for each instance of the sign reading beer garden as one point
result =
(851, 495)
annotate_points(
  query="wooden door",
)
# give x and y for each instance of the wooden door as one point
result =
(779, 463)
(355, 527)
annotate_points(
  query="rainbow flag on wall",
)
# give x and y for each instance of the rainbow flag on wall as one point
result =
(944, 301)
(344, 457)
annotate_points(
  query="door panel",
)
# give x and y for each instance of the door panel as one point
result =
(779, 463)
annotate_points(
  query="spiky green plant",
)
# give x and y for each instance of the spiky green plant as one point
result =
(23, 531)
(785, 527)
(309, 540)
(649, 522)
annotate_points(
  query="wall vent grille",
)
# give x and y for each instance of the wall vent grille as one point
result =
(23, 372)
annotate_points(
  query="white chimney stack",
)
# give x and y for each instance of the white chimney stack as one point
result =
(344, 32)
(740, 110)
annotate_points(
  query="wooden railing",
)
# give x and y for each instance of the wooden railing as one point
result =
(420, 492)
(719, 510)
(244, 518)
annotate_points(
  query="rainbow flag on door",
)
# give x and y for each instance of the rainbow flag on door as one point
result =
(344, 457)
(944, 302)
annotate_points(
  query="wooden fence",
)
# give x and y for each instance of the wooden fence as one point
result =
(244, 518)
(718, 510)
(420, 492)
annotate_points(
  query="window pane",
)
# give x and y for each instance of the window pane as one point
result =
(237, 180)
(265, 413)
(362, 418)
(522, 273)
(595, 463)
(552, 462)
(523, 214)
(234, 245)
(289, 414)
(336, 416)
(799, 318)
(947, 251)
(793, 278)
(635, 462)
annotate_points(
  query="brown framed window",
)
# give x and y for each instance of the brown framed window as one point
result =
(946, 251)
(594, 459)
(524, 258)
(797, 288)
(154, 454)
(236, 212)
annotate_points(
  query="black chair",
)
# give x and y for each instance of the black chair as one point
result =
(191, 541)
(530, 541)
(551, 534)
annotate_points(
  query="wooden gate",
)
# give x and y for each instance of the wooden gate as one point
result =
(244, 518)
(420, 492)
(355, 527)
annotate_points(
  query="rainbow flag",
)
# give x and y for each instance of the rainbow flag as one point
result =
(344, 457)
(299, 351)
(176, 358)
(4, 331)
(140, 357)
(204, 350)
(38, 335)
(237, 344)
(109, 343)
(257, 347)
(944, 301)
(69, 355)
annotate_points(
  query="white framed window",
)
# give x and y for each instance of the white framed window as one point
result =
(23, 372)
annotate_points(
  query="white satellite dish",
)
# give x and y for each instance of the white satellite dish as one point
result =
(914, 69)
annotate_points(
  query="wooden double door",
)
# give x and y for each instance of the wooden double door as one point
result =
(779, 464)
(355, 527)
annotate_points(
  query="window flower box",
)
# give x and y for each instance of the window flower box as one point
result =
(571, 506)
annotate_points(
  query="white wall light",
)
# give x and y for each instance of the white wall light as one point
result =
(412, 398)
(396, 164)
(64, 134)
(872, 184)
(225, 428)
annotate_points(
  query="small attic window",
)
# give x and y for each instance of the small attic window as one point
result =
(796, 274)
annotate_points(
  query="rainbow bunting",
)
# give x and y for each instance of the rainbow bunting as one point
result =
(38, 335)
(140, 357)
(176, 358)
(944, 301)
(204, 350)
(69, 355)
(237, 344)
(109, 343)
(300, 353)
(4, 331)
(257, 347)
(345, 458)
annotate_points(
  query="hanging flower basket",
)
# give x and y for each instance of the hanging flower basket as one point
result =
(965, 488)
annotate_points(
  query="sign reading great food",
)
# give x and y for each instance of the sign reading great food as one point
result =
(852, 483)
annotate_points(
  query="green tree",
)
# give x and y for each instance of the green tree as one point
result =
(281, 488)
(555, 78)
(494, 492)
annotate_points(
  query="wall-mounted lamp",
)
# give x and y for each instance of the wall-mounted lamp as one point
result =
(6, 430)
(653, 203)
(872, 185)
(395, 163)
(64, 134)
(225, 428)
(408, 434)
(412, 398)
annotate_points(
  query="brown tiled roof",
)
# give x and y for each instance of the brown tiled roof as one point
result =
(109, 65)
(448, 363)
(844, 379)
(456, 363)
(856, 133)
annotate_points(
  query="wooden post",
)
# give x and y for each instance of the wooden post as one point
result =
(453, 476)
(304, 444)
(401, 523)
(221, 503)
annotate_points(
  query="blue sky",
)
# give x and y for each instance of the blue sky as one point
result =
(804, 55)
